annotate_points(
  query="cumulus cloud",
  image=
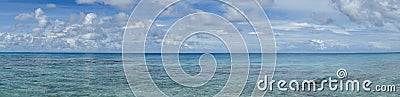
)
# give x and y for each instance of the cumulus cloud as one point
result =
(320, 44)
(122, 4)
(82, 32)
(89, 18)
(24, 16)
(38, 15)
(51, 5)
(42, 19)
(38, 12)
(336, 44)
(372, 13)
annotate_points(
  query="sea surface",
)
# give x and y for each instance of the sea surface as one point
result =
(89, 74)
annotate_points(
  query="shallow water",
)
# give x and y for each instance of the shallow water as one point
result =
(35, 74)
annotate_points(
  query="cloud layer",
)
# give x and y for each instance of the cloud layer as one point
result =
(81, 32)
(373, 13)
(348, 26)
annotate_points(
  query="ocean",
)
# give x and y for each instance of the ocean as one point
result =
(91, 74)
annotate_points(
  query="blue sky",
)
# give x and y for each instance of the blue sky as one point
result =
(98, 25)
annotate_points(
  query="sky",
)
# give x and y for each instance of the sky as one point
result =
(307, 26)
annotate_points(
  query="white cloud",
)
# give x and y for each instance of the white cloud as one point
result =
(372, 13)
(122, 16)
(24, 16)
(91, 36)
(317, 45)
(42, 19)
(82, 32)
(71, 42)
(38, 15)
(38, 12)
(58, 26)
(320, 44)
(292, 26)
(91, 31)
(36, 29)
(301, 26)
(89, 18)
(340, 31)
(138, 24)
(380, 45)
(253, 33)
(51, 5)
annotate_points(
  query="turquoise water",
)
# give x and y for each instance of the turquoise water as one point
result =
(41, 74)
